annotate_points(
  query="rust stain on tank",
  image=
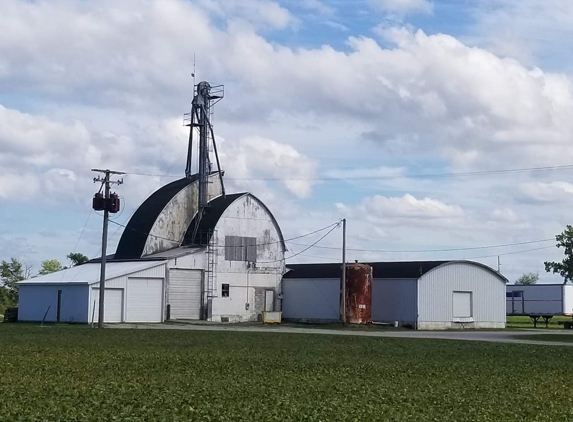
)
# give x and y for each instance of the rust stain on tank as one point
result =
(358, 294)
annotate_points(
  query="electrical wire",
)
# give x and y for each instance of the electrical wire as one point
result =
(304, 250)
(404, 176)
(511, 253)
(334, 225)
(432, 250)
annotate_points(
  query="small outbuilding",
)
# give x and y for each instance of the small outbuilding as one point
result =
(426, 295)
(134, 292)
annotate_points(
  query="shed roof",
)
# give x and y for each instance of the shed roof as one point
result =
(402, 269)
(90, 273)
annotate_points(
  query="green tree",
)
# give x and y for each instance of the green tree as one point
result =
(11, 272)
(50, 266)
(77, 258)
(565, 267)
(528, 279)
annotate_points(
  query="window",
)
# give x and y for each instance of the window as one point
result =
(462, 305)
(239, 248)
(225, 290)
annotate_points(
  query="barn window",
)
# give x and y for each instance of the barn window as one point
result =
(225, 290)
(240, 248)
(462, 305)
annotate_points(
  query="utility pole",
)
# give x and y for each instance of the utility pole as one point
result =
(107, 204)
(343, 280)
(498, 265)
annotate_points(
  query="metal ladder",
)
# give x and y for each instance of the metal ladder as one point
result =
(212, 265)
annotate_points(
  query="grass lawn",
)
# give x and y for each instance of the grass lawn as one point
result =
(80, 373)
(548, 337)
(525, 322)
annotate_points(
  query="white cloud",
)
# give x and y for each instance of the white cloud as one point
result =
(556, 191)
(381, 207)
(317, 6)
(402, 7)
(258, 12)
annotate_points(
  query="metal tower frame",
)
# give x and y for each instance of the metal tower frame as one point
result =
(205, 97)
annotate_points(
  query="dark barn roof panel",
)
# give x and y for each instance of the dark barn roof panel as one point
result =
(405, 269)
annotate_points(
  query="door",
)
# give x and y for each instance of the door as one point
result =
(269, 300)
(462, 305)
(113, 305)
(185, 293)
(144, 300)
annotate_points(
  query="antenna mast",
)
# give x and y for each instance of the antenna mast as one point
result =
(206, 96)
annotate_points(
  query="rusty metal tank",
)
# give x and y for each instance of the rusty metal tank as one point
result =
(358, 293)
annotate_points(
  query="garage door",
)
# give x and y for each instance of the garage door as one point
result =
(113, 305)
(144, 300)
(185, 293)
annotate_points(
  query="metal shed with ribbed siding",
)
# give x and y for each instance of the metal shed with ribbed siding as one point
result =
(427, 295)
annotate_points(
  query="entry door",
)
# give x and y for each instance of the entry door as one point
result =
(269, 300)
(185, 293)
(113, 305)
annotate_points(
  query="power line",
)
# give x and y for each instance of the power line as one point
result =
(334, 225)
(304, 250)
(511, 253)
(388, 177)
(433, 250)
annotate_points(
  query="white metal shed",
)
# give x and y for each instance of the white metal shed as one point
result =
(134, 292)
(427, 295)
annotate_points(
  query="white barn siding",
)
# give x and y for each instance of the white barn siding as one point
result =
(35, 300)
(311, 299)
(394, 300)
(174, 219)
(246, 217)
(436, 291)
(154, 296)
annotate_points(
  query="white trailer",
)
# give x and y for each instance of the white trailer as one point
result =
(540, 301)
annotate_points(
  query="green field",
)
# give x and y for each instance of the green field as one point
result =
(80, 373)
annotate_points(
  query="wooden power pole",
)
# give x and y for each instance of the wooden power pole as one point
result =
(107, 208)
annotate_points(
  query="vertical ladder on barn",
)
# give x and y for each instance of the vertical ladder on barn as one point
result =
(212, 265)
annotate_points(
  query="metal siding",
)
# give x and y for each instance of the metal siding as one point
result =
(568, 299)
(144, 300)
(435, 295)
(35, 300)
(394, 300)
(311, 299)
(113, 305)
(247, 217)
(185, 293)
(543, 299)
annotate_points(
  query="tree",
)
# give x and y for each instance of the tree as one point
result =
(528, 279)
(77, 258)
(50, 266)
(565, 267)
(11, 272)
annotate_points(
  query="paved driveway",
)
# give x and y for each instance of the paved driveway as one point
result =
(491, 336)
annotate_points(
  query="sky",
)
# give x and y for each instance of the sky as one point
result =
(360, 109)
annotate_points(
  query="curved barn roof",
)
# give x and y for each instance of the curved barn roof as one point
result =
(478, 264)
(134, 236)
(212, 215)
(400, 269)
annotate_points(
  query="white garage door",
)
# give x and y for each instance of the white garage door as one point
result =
(113, 305)
(185, 293)
(462, 304)
(144, 300)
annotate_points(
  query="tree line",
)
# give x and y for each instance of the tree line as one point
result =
(14, 270)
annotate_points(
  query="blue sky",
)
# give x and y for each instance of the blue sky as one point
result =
(366, 92)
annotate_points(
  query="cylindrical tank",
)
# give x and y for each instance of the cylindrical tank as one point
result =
(358, 294)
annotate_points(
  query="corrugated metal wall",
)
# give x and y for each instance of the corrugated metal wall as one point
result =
(35, 300)
(544, 299)
(394, 300)
(435, 296)
(311, 299)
